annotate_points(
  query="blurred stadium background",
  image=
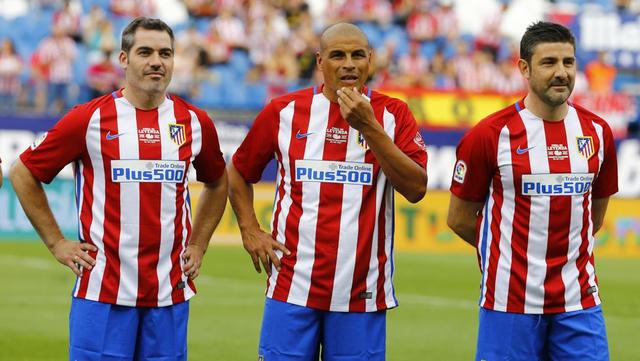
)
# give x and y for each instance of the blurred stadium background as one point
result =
(453, 61)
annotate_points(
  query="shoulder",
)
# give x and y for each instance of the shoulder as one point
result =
(391, 103)
(495, 122)
(585, 114)
(200, 113)
(282, 101)
(86, 110)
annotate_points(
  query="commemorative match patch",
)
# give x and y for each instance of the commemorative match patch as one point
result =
(419, 141)
(460, 171)
(177, 134)
(38, 141)
(585, 146)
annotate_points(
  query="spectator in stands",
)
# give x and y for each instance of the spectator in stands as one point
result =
(443, 71)
(490, 37)
(101, 38)
(600, 74)
(422, 26)
(201, 8)
(58, 53)
(230, 28)
(104, 76)
(218, 50)
(475, 72)
(384, 64)
(413, 67)
(68, 20)
(10, 70)
(186, 72)
(447, 20)
(38, 81)
(132, 8)
(281, 69)
(508, 79)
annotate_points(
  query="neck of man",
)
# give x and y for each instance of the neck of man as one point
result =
(330, 94)
(545, 111)
(142, 99)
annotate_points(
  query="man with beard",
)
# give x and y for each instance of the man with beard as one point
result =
(341, 150)
(530, 189)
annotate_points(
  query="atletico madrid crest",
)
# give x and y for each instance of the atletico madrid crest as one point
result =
(585, 146)
(362, 142)
(177, 134)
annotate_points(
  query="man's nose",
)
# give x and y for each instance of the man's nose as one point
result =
(155, 60)
(348, 63)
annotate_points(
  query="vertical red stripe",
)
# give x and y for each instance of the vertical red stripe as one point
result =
(366, 224)
(559, 226)
(111, 236)
(301, 118)
(281, 193)
(150, 209)
(493, 254)
(328, 223)
(86, 216)
(381, 302)
(520, 236)
(584, 258)
(182, 116)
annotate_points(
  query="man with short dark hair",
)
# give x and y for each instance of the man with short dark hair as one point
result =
(139, 252)
(530, 189)
(341, 149)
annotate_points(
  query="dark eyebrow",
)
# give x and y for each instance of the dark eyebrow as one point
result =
(146, 48)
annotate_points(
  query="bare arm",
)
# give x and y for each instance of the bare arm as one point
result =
(34, 202)
(462, 218)
(258, 243)
(211, 204)
(598, 210)
(406, 176)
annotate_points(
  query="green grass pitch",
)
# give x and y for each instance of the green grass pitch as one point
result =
(436, 320)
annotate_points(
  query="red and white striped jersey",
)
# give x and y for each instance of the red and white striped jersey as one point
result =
(333, 206)
(537, 179)
(131, 169)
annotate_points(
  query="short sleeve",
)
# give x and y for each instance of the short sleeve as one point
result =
(475, 165)
(606, 183)
(62, 144)
(209, 163)
(408, 137)
(259, 146)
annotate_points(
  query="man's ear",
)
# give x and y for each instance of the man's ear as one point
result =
(124, 59)
(319, 60)
(525, 70)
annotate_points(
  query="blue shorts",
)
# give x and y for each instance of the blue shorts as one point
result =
(106, 332)
(291, 332)
(578, 335)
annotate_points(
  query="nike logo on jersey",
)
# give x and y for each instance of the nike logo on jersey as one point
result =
(113, 136)
(522, 151)
(302, 135)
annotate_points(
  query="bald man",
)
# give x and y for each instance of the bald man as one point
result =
(341, 150)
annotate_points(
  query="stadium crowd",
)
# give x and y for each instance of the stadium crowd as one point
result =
(238, 53)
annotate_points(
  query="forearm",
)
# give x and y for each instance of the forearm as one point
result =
(463, 217)
(405, 175)
(211, 205)
(241, 199)
(467, 232)
(35, 205)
